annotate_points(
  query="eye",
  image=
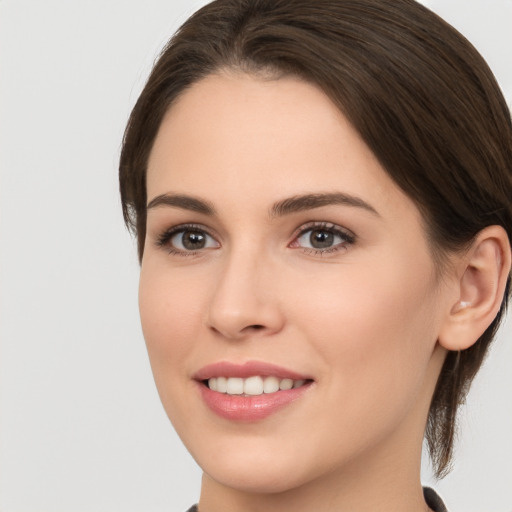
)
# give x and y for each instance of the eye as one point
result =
(323, 238)
(186, 240)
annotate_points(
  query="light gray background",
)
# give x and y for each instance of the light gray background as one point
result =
(81, 425)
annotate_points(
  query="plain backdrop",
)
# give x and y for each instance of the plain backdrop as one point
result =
(81, 426)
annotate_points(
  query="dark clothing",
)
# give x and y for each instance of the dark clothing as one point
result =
(431, 497)
(433, 500)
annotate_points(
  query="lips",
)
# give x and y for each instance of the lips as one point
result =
(248, 369)
(250, 391)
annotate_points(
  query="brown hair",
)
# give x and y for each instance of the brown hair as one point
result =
(419, 94)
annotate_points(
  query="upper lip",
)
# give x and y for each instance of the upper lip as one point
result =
(247, 369)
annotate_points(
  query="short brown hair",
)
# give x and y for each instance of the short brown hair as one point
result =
(419, 94)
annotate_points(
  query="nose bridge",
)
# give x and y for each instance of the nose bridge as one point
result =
(243, 301)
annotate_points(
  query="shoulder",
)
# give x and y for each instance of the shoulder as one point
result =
(431, 497)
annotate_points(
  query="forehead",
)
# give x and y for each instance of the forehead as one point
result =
(234, 136)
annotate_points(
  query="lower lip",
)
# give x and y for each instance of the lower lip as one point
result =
(250, 408)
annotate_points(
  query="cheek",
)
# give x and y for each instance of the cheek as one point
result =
(372, 334)
(370, 325)
(171, 311)
(171, 315)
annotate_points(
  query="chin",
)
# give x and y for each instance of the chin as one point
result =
(269, 477)
(258, 464)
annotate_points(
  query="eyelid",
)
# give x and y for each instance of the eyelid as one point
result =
(328, 226)
(163, 238)
(345, 233)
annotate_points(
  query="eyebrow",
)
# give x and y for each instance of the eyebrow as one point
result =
(311, 201)
(279, 209)
(184, 202)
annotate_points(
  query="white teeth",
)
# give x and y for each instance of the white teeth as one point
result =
(235, 386)
(270, 385)
(286, 384)
(253, 386)
(212, 384)
(222, 384)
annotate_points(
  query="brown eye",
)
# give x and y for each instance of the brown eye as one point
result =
(321, 239)
(191, 239)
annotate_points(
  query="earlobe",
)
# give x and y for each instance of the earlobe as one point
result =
(483, 272)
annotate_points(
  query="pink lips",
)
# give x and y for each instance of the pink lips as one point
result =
(248, 369)
(248, 408)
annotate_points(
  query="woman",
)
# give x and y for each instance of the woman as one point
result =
(320, 192)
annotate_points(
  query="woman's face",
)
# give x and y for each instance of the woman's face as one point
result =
(278, 248)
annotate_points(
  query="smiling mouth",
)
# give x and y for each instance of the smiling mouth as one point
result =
(250, 391)
(253, 386)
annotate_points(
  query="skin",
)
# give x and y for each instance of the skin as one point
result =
(362, 320)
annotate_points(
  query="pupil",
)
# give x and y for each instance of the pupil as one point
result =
(321, 239)
(193, 240)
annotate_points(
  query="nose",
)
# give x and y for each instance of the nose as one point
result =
(245, 301)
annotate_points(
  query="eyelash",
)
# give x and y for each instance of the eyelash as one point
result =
(348, 238)
(164, 240)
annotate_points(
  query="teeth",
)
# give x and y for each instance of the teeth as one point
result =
(270, 385)
(253, 386)
(222, 384)
(235, 386)
(286, 384)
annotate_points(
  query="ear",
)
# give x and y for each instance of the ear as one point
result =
(481, 281)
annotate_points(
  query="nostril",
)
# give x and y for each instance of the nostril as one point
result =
(247, 330)
(255, 327)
